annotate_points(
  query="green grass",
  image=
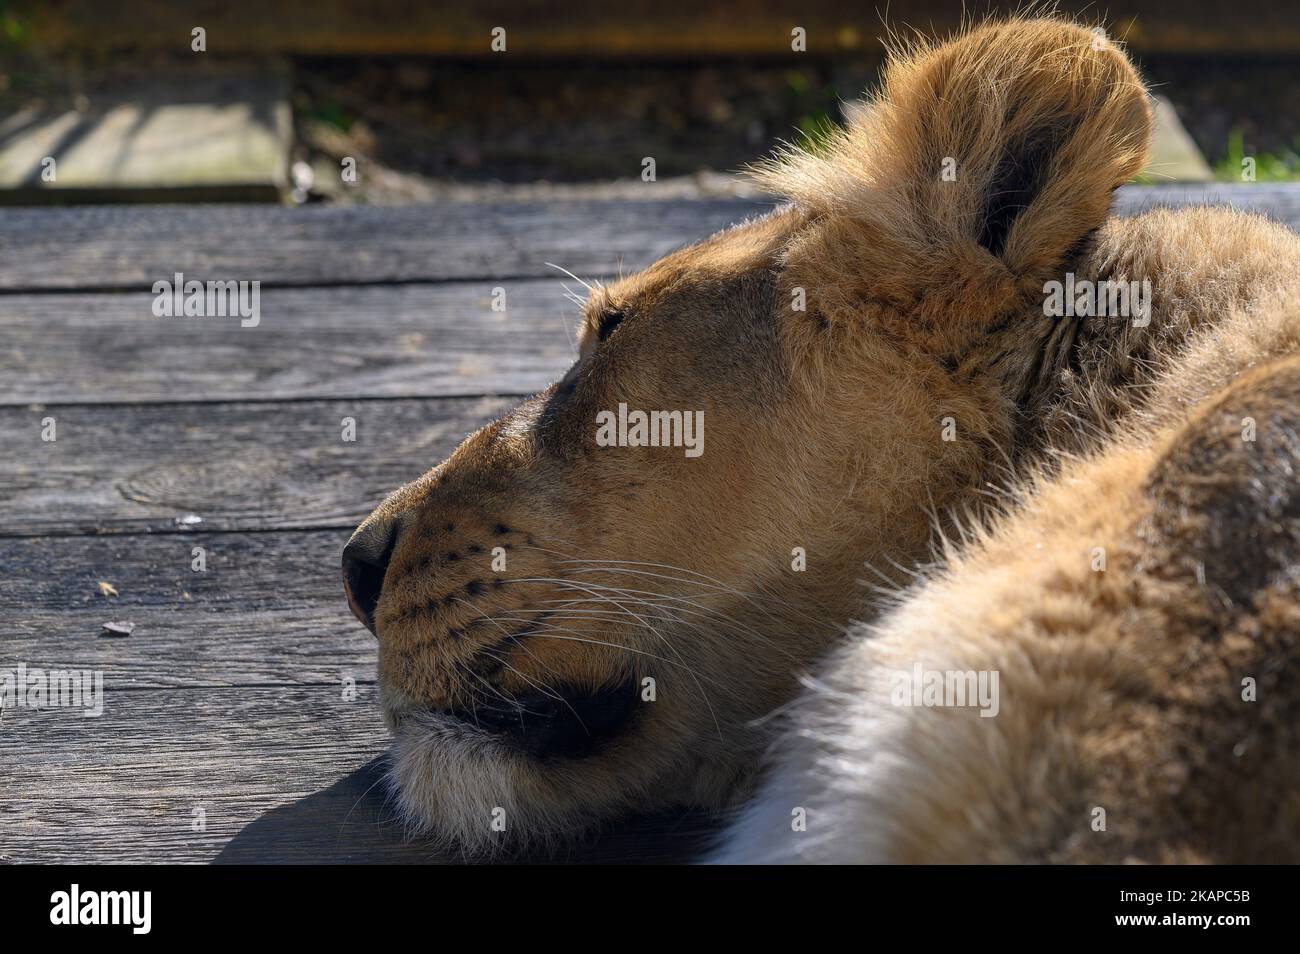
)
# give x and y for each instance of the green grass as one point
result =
(12, 29)
(327, 111)
(1269, 167)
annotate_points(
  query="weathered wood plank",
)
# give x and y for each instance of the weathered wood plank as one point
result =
(126, 247)
(1278, 200)
(267, 609)
(278, 774)
(126, 786)
(135, 141)
(371, 341)
(426, 339)
(132, 247)
(262, 466)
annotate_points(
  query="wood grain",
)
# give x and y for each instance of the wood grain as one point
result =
(155, 468)
(377, 341)
(129, 248)
(1277, 200)
(268, 609)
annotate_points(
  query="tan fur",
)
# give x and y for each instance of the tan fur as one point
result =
(823, 431)
(1121, 689)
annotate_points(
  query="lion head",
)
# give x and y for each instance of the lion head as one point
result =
(591, 605)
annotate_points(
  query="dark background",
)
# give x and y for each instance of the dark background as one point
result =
(584, 90)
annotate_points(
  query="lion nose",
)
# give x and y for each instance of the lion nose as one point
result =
(365, 562)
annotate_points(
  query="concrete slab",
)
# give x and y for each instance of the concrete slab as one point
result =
(215, 135)
(1174, 156)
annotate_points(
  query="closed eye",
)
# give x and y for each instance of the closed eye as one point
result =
(608, 322)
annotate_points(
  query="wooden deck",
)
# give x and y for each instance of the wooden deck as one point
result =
(227, 702)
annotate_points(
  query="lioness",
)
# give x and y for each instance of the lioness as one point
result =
(570, 630)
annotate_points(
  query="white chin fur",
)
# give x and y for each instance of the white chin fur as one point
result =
(447, 783)
(472, 793)
(467, 791)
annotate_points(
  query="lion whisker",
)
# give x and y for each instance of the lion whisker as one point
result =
(617, 566)
(560, 268)
(545, 689)
(651, 629)
(550, 633)
(712, 614)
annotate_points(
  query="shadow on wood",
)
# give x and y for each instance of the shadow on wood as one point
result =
(352, 822)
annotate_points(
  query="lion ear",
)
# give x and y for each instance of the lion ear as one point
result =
(1014, 136)
(995, 153)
